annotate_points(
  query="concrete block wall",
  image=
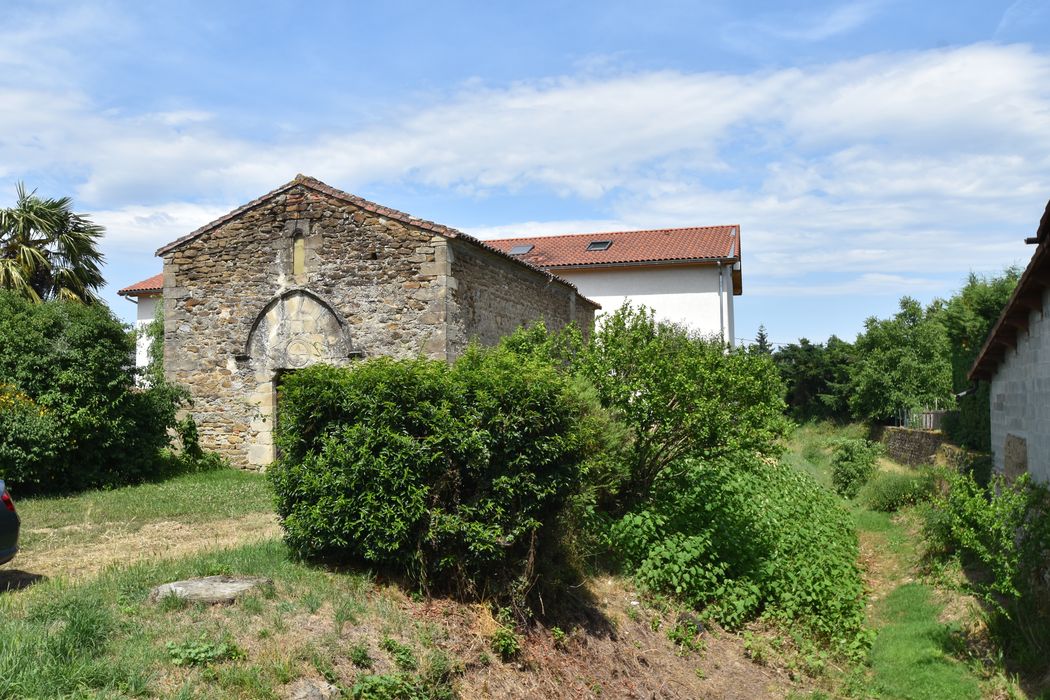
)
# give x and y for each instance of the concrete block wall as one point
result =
(1020, 412)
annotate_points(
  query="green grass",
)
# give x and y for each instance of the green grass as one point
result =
(101, 638)
(190, 498)
(912, 656)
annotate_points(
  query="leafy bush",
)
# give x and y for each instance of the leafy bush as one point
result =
(447, 475)
(744, 538)
(388, 687)
(1005, 529)
(678, 394)
(853, 464)
(74, 417)
(889, 492)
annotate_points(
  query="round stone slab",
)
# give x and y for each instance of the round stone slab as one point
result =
(213, 590)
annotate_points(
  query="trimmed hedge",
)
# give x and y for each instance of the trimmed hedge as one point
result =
(72, 417)
(452, 476)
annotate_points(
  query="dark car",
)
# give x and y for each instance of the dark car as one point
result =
(9, 525)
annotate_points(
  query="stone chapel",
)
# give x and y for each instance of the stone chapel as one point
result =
(308, 273)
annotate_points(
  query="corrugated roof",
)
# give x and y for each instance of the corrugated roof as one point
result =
(147, 286)
(695, 243)
(1027, 297)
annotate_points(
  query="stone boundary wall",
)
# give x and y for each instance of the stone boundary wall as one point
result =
(909, 446)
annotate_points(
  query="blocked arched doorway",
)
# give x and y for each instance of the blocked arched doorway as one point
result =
(294, 330)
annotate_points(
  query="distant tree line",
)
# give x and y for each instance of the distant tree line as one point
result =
(918, 358)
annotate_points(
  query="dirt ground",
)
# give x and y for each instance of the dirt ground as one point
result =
(53, 554)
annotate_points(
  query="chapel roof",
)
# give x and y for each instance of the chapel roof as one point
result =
(318, 186)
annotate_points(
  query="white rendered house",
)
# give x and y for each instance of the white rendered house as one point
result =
(146, 294)
(686, 275)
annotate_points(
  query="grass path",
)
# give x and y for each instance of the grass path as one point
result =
(912, 656)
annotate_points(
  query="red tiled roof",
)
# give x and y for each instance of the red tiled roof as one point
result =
(147, 286)
(1026, 298)
(696, 243)
(318, 186)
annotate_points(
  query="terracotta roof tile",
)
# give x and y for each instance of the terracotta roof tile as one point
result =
(151, 285)
(626, 247)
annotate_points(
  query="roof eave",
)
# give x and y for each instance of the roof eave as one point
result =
(988, 359)
(642, 263)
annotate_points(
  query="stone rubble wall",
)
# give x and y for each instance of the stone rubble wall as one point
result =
(910, 446)
(237, 315)
(492, 296)
(375, 275)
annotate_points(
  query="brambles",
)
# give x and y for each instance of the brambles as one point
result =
(742, 539)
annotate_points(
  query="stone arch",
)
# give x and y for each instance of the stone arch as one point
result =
(295, 329)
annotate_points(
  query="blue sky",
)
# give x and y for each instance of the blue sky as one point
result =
(868, 149)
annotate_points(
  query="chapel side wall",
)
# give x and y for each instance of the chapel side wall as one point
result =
(491, 296)
(1020, 402)
(382, 278)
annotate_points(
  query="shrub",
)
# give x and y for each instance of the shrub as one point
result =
(1005, 527)
(678, 394)
(446, 474)
(1006, 530)
(744, 538)
(76, 418)
(889, 492)
(853, 464)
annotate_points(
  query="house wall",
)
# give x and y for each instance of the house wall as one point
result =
(1020, 412)
(491, 296)
(144, 315)
(686, 294)
(236, 315)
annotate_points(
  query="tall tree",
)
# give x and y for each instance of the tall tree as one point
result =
(903, 362)
(761, 346)
(47, 251)
(968, 316)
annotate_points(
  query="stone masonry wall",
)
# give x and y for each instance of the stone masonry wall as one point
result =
(236, 315)
(909, 446)
(492, 296)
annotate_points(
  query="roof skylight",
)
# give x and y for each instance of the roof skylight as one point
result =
(599, 245)
(521, 249)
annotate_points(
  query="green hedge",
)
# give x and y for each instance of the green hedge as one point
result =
(73, 417)
(454, 476)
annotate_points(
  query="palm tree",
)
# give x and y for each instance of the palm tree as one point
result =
(47, 251)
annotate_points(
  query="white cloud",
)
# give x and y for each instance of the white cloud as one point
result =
(895, 165)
